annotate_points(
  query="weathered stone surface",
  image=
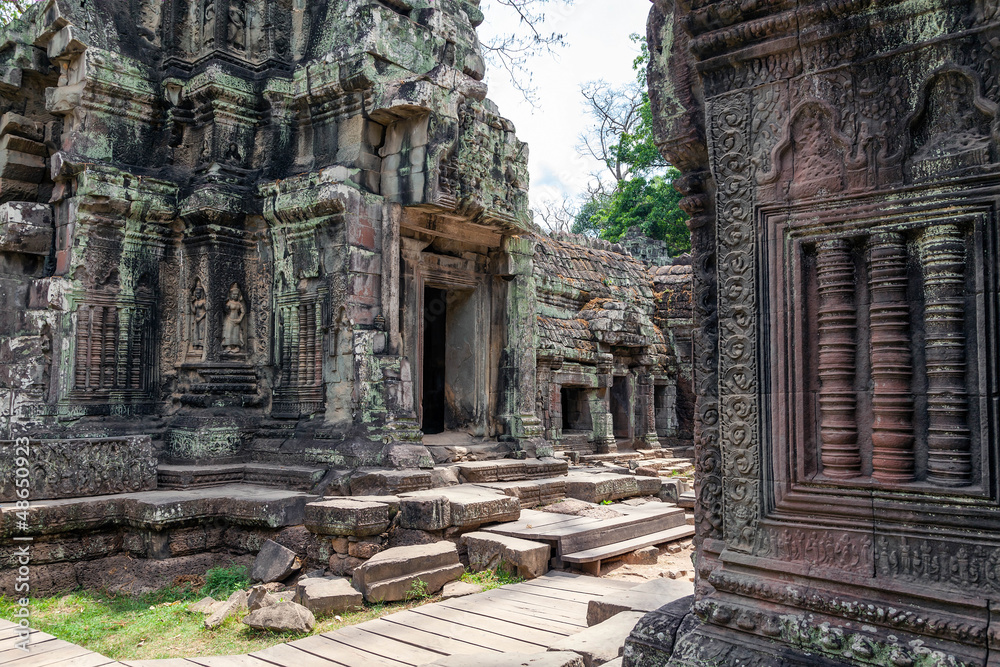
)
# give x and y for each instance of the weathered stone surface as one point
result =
(261, 596)
(364, 550)
(346, 516)
(202, 606)
(282, 617)
(467, 507)
(236, 603)
(603, 642)
(390, 575)
(489, 552)
(425, 512)
(274, 563)
(644, 556)
(78, 467)
(645, 597)
(457, 589)
(342, 565)
(595, 487)
(560, 659)
(328, 595)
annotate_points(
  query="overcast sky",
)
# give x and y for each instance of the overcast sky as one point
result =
(599, 48)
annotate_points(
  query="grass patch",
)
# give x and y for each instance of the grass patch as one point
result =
(221, 582)
(158, 625)
(490, 579)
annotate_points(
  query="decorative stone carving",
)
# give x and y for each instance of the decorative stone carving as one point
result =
(837, 325)
(199, 316)
(891, 359)
(234, 329)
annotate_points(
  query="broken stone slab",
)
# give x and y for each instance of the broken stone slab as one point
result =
(603, 642)
(390, 576)
(644, 556)
(644, 598)
(532, 492)
(405, 456)
(261, 596)
(347, 516)
(425, 512)
(202, 606)
(507, 470)
(469, 506)
(601, 486)
(389, 482)
(617, 662)
(274, 563)
(457, 589)
(283, 617)
(236, 602)
(551, 659)
(325, 596)
(488, 551)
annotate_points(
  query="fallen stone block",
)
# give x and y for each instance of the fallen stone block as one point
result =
(603, 642)
(389, 482)
(274, 563)
(327, 595)
(457, 589)
(595, 487)
(425, 512)
(202, 606)
(490, 552)
(390, 576)
(551, 659)
(260, 597)
(644, 556)
(644, 598)
(236, 602)
(347, 516)
(283, 617)
(468, 507)
(342, 565)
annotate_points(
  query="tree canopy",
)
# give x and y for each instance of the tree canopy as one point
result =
(636, 187)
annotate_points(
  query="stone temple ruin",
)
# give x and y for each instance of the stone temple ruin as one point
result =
(267, 267)
(840, 162)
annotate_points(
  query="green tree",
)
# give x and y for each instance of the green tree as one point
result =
(11, 9)
(640, 191)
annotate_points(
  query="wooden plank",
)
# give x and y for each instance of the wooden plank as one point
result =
(582, 584)
(569, 611)
(286, 655)
(167, 662)
(13, 640)
(416, 637)
(531, 618)
(576, 618)
(628, 546)
(43, 644)
(384, 646)
(560, 577)
(497, 625)
(479, 637)
(56, 655)
(326, 646)
(562, 595)
(230, 661)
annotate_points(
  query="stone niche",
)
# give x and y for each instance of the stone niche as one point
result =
(839, 161)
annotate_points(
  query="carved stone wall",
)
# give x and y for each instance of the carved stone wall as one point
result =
(840, 164)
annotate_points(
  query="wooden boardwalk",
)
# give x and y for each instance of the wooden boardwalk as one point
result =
(525, 618)
(46, 651)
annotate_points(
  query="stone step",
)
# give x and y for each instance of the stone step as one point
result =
(298, 478)
(509, 470)
(637, 524)
(597, 554)
(601, 643)
(598, 486)
(532, 492)
(376, 482)
(467, 452)
(686, 500)
(348, 517)
(237, 504)
(488, 551)
(613, 457)
(644, 598)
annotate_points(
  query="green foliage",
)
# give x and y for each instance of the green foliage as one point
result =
(490, 579)
(221, 582)
(11, 9)
(418, 590)
(646, 197)
(605, 502)
(651, 204)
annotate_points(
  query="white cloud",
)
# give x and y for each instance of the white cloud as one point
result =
(599, 48)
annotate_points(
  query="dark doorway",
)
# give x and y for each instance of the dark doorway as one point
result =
(575, 410)
(435, 349)
(620, 407)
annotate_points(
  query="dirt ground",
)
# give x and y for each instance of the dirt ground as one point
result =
(678, 564)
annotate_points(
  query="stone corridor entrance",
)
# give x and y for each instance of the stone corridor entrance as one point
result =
(449, 361)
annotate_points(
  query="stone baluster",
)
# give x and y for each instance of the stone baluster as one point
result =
(835, 278)
(891, 360)
(942, 255)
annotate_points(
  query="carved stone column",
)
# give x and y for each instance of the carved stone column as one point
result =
(892, 361)
(838, 323)
(942, 255)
